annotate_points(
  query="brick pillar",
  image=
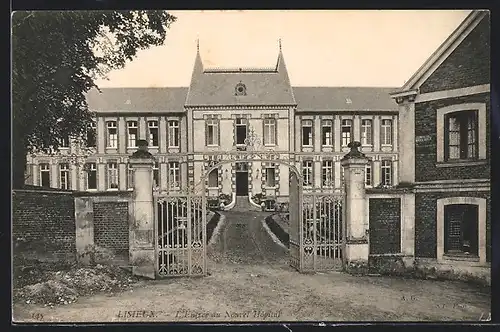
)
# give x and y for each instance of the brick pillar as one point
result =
(142, 251)
(355, 225)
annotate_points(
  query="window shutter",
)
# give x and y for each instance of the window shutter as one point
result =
(206, 136)
(446, 137)
(218, 131)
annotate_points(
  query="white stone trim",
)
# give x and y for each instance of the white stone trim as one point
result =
(471, 90)
(481, 203)
(481, 122)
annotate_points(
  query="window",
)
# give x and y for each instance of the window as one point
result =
(173, 174)
(461, 136)
(307, 172)
(153, 133)
(64, 176)
(91, 176)
(366, 132)
(130, 177)
(327, 173)
(212, 132)
(346, 129)
(112, 134)
(213, 178)
(241, 131)
(386, 172)
(368, 174)
(327, 133)
(386, 132)
(269, 131)
(91, 135)
(112, 175)
(270, 176)
(173, 133)
(156, 174)
(307, 133)
(45, 175)
(342, 175)
(64, 141)
(131, 134)
(461, 229)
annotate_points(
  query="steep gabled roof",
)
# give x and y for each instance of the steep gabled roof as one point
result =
(442, 53)
(264, 86)
(137, 99)
(343, 98)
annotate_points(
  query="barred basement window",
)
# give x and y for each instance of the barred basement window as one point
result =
(327, 173)
(212, 132)
(307, 172)
(112, 175)
(241, 130)
(91, 176)
(153, 133)
(45, 175)
(213, 179)
(461, 229)
(174, 175)
(270, 177)
(156, 174)
(346, 129)
(327, 132)
(386, 132)
(131, 134)
(130, 177)
(269, 131)
(92, 135)
(386, 172)
(307, 133)
(461, 136)
(366, 132)
(173, 134)
(112, 141)
(64, 176)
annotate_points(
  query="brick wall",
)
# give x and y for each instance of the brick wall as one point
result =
(43, 225)
(385, 225)
(425, 221)
(111, 228)
(425, 157)
(467, 65)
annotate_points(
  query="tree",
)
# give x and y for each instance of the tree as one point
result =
(56, 58)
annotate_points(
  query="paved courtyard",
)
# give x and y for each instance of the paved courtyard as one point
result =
(250, 280)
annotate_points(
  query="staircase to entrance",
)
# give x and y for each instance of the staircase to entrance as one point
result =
(243, 204)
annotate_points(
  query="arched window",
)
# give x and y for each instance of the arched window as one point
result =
(213, 179)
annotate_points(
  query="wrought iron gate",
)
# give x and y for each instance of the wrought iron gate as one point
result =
(180, 222)
(316, 234)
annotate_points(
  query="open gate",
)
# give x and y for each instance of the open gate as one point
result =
(316, 233)
(181, 237)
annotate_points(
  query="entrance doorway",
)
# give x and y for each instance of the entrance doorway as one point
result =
(241, 179)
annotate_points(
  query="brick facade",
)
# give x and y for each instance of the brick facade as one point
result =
(467, 65)
(43, 225)
(425, 156)
(385, 225)
(425, 221)
(111, 226)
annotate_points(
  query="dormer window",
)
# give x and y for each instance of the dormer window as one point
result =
(240, 89)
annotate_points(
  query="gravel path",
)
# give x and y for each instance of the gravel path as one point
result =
(250, 280)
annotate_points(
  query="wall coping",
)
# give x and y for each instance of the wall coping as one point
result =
(121, 193)
(390, 191)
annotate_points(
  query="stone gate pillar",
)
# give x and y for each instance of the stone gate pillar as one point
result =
(142, 250)
(355, 225)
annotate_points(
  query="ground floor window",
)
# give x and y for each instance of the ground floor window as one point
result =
(213, 179)
(461, 229)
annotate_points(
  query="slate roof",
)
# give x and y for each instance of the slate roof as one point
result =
(337, 98)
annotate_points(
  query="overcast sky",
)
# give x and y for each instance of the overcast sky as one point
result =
(321, 48)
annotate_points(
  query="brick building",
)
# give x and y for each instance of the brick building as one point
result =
(446, 104)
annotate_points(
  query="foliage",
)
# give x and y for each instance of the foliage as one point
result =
(57, 55)
(258, 198)
(225, 198)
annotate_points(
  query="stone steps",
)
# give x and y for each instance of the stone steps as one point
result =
(243, 204)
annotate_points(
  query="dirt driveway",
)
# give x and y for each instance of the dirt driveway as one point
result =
(251, 281)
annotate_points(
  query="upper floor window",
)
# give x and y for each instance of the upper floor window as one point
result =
(368, 174)
(386, 172)
(92, 135)
(174, 178)
(327, 179)
(132, 134)
(212, 132)
(366, 132)
(346, 129)
(269, 131)
(270, 176)
(45, 175)
(91, 176)
(213, 178)
(156, 174)
(173, 134)
(461, 229)
(461, 136)
(307, 173)
(112, 175)
(307, 133)
(130, 177)
(64, 176)
(153, 133)
(241, 130)
(64, 141)
(386, 132)
(327, 132)
(112, 139)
